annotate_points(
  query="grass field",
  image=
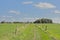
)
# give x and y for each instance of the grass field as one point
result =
(29, 32)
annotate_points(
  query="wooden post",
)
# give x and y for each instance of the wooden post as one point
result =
(45, 28)
(16, 29)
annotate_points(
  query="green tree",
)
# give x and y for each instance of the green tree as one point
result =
(43, 20)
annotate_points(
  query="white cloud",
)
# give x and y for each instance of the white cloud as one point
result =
(27, 2)
(26, 19)
(44, 5)
(57, 11)
(56, 20)
(14, 12)
(6, 16)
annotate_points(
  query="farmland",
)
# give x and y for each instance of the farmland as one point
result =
(29, 32)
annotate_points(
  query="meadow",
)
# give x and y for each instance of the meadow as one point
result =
(29, 31)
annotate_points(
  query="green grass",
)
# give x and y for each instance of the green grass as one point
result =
(29, 32)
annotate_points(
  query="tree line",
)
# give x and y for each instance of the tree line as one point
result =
(42, 20)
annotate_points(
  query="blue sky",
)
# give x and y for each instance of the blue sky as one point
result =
(29, 10)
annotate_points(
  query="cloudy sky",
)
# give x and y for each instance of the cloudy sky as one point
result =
(29, 10)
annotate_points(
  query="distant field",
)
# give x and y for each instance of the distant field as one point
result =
(29, 32)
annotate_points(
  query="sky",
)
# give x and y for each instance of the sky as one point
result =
(29, 10)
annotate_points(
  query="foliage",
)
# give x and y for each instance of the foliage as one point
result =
(43, 20)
